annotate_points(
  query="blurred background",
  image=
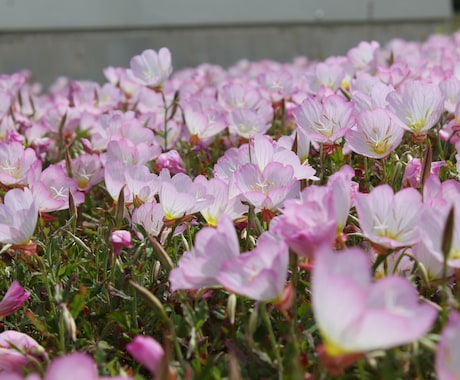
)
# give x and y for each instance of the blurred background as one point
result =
(78, 39)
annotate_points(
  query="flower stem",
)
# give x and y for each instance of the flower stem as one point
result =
(272, 337)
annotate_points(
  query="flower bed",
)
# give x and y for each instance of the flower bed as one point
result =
(265, 221)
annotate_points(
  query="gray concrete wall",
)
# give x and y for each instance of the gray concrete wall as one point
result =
(80, 39)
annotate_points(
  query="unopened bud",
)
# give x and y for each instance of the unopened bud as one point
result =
(69, 322)
(231, 307)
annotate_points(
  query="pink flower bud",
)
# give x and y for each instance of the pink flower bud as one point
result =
(120, 239)
(146, 351)
(13, 300)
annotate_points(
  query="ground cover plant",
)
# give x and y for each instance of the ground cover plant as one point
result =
(271, 220)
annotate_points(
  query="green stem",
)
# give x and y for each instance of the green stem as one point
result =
(321, 163)
(361, 370)
(165, 121)
(272, 337)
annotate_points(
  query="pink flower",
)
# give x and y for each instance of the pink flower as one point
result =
(308, 223)
(327, 74)
(16, 162)
(276, 84)
(150, 217)
(325, 122)
(18, 351)
(375, 135)
(368, 92)
(130, 153)
(76, 366)
(14, 299)
(395, 74)
(364, 56)
(152, 68)
(146, 351)
(248, 123)
(221, 204)
(413, 170)
(200, 267)
(434, 221)
(170, 160)
(141, 183)
(238, 96)
(418, 105)
(87, 170)
(355, 315)
(180, 196)
(447, 365)
(389, 219)
(18, 217)
(204, 119)
(259, 274)
(51, 190)
(120, 239)
(267, 189)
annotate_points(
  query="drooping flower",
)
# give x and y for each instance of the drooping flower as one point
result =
(355, 315)
(152, 68)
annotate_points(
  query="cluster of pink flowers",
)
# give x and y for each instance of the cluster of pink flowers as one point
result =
(126, 135)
